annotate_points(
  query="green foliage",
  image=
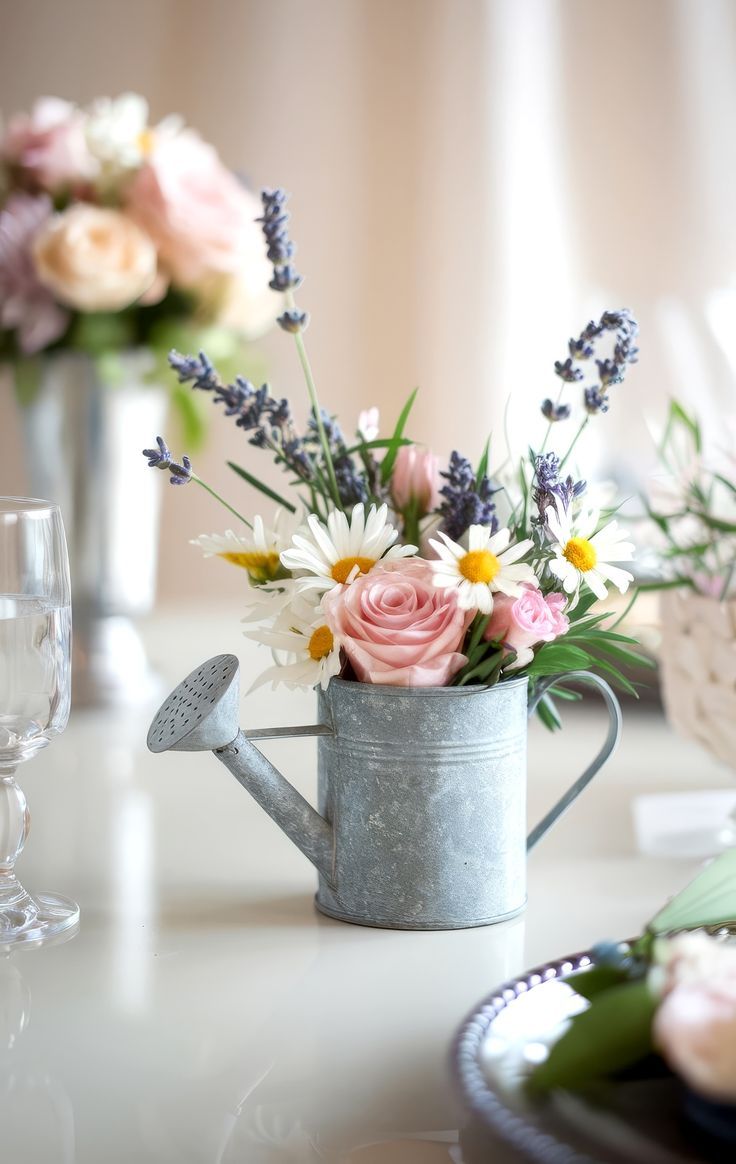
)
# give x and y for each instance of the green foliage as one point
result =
(261, 487)
(709, 900)
(394, 444)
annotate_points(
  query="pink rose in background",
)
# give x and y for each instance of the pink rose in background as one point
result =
(415, 479)
(695, 1025)
(522, 623)
(49, 145)
(198, 214)
(26, 305)
(397, 628)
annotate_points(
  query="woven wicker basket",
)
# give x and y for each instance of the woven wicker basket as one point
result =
(698, 670)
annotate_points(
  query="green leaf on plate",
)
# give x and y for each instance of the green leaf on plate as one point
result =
(613, 1033)
(709, 900)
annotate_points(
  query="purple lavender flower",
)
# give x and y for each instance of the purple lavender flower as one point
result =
(567, 371)
(610, 370)
(26, 306)
(293, 321)
(595, 401)
(465, 501)
(554, 412)
(161, 458)
(548, 489)
(280, 248)
(194, 370)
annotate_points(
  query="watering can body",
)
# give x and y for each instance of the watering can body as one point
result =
(421, 820)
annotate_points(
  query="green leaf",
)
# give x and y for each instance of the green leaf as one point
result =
(379, 443)
(483, 463)
(584, 603)
(387, 464)
(678, 416)
(628, 657)
(190, 413)
(27, 379)
(555, 658)
(614, 674)
(590, 983)
(565, 693)
(548, 714)
(259, 485)
(709, 900)
(613, 1033)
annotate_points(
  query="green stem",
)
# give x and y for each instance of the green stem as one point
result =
(549, 426)
(575, 440)
(221, 500)
(312, 390)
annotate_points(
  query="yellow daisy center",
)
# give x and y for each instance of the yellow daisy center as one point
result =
(262, 565)
(581, 554)
(344, 567)
(145, 141)
(321, 643)
(479, 566)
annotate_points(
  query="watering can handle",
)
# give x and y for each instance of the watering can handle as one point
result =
(609, 745)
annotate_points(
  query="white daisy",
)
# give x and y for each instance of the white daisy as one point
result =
(258, 553)
(305, 650)
(485, 566)
(582, 555)
(337, 553)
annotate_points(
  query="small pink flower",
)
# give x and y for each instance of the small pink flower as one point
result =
(695, 1025)
(523, 623)
(26, 305)
(397, 628)
(416, 479)
(48, 145)
(199, 215)
(368, 422)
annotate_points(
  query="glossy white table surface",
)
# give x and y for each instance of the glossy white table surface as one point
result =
(206, 1013)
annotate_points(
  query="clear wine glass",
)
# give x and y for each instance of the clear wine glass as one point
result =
(35, 692)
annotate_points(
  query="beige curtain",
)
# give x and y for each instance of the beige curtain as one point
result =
(471, 179)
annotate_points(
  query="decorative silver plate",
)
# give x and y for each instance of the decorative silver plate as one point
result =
(639, 1121)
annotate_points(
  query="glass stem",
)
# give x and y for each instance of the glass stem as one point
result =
(15, 821)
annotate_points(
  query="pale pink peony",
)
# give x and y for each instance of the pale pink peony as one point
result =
(94, 259)
(199, 215)
(415, 479)
(695, 1025)
(48, 145)
(525, 622)
(397, 628)
(27, 307)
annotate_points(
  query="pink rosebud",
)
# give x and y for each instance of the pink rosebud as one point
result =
(415, 479)
(397, 628)
(196, 211)
(525, 622)
(48, 145)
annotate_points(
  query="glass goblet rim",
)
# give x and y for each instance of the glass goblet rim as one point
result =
(31, 506)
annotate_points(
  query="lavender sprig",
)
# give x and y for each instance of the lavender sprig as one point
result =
(466, 501)
(611, 370)
(548, 489)
(162, 458)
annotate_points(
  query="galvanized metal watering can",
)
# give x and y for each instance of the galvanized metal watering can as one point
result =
(422, 791)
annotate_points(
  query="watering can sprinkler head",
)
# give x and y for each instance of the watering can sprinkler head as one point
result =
(201, 714)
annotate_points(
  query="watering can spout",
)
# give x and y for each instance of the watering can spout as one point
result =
(201, 714)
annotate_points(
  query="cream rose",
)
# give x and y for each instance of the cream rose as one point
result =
(94, 259)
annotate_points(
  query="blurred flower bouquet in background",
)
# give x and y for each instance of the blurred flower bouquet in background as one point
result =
(691, 512)
(116, 234)
(384, 567)
(118, 239)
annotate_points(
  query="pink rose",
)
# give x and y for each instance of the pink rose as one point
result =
(198, 214)
(522, 623)
(415, 479)
(397, 628)
(695, 1025)
(48, 145)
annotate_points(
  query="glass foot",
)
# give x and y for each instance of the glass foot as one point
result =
(24, 918)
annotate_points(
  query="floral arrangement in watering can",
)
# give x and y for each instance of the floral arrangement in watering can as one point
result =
(119, 234)
(338, 583)
(430, 627)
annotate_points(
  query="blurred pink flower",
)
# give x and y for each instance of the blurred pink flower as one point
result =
(397, 628)
(26, 306)
(523, 623)
(368, 422)
(416, 479)
(198, 214)
(48, 145)
(695, 1025)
